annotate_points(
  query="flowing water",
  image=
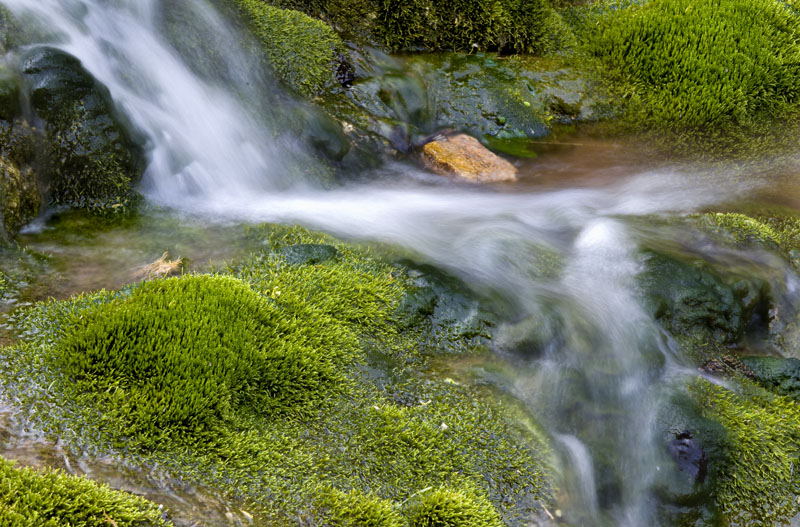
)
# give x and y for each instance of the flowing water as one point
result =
(564, 259)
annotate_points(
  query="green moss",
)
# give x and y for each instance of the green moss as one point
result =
(354, 509)
(781, 231)
(180, 356)
(505, 25)
(757, 479)
(187, 388)
(708, 68)
(303, 51)
(446, 507)
(53, 498)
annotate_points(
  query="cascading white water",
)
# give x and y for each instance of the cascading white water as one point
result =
(210, 152)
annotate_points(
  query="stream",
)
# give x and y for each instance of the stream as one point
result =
(219, 159)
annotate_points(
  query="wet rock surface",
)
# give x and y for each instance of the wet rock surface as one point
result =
(93, 159)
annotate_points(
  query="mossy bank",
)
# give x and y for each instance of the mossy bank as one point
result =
(292, 380)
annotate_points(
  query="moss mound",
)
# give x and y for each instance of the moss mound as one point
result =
(302, 50)
(706, 67)
(355, 509)
(445, 507)
(243, 382)
(757, 480)
(178, 356)
(53, 499)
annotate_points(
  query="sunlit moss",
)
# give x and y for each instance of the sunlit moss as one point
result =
(31, 498)
(172, 373)
(180, 356)
(447, 507)
(781, 231)
(354, 509)
(302, 50)
(757, 480)
(703, 67)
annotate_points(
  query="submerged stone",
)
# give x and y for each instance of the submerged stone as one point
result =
(464, 157)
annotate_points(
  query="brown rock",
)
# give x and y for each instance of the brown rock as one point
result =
(466, 158)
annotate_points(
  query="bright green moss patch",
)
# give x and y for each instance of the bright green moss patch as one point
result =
(285, 382)
(445, 507)
(302, 50)
(781, 231)
(29, 498)
(704, 67)
(354, 509)
(180, 356)
(757, 481)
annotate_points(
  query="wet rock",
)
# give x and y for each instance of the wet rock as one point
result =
(464, 157)
(19, 198)
(490, 97)
(93, 159)
(308, 253)
(778, 374)
(689, 456)
(445, 307)
(692, 444)
(694, 300)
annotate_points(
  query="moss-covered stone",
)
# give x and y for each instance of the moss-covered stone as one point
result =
(694, 301)
(756, 477)
(775, 231)
(777, 374)
(488, 96)
(707, 69)
(304, 52)
(188, 364)
(92, 159)
(52, 499)
(19, 198)
(511, 26)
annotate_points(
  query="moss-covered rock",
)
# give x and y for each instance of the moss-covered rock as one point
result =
(756, 479)
(695, 302)
(19, 198)
(777, 374)
(52, 498)
(92, 159)
(511, 26)
(502, 100)
(196, 375)
(304, 52)
(178, 357)
(707, 68)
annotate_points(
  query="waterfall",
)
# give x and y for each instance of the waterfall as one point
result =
(215, 148)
